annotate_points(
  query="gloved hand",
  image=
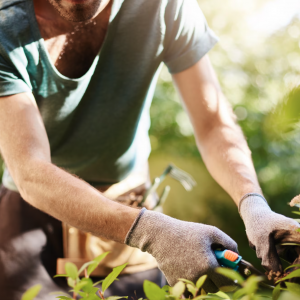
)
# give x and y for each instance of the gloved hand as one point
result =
(266, 229)
(182, 249)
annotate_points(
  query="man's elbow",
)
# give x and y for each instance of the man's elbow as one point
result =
(29, 176)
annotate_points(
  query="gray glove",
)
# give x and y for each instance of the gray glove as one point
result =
(266, 229)
(182, 249)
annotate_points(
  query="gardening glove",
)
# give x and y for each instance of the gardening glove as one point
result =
(182, 249)
(266, 229)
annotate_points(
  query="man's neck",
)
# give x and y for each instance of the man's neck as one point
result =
(44, 9)
(72, 46)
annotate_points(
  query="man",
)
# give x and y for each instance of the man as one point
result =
(76, 81)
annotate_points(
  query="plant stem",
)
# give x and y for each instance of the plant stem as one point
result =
(196, 293)
(101, 295)
(86, 273)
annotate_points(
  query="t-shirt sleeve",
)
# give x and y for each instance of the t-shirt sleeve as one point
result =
(188, 37)
(10, 80)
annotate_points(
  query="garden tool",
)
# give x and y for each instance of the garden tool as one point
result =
(183, 177)
(232, 260)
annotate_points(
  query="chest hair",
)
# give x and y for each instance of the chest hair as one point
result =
(72, 49)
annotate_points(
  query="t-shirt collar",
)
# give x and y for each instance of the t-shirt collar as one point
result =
(116, 6)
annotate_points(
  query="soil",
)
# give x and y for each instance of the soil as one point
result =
(275, 276)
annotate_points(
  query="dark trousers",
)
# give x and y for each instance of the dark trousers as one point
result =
(31, 242)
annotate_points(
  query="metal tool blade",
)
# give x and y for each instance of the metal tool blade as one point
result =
(247, 269)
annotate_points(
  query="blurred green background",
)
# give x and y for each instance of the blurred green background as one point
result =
(257, 62)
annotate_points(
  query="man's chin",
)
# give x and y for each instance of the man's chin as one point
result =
(76, 10)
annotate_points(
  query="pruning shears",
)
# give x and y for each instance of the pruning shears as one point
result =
(229, 259)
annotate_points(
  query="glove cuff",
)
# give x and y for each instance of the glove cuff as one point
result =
(252, 203)
(134, 224)
(250, 195)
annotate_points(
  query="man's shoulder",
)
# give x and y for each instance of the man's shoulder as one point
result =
(14, 26)
(5, 4)
(13, 13)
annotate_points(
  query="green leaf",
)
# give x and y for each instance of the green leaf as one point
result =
(222, 295)
(171, 297)
(296, 212)
(82, 294)
(64, 298)
(84, 266)
(95, 262)
(239, 293)
(251, 284)
(166, 288)
(206, 297)
(292, 266)
(71, 282)
(71, 270)
(293, 288)
(88, 287)
(228, 289)
(293, 274)
(290, 244)
(31, 293)
(99, 258)
(178, 289)
(153, 291)
(231, 274)
(112, 276)
(62, 275)
(116, 297)
(79, 286)
(192, 289)
(276, 292)
(201, 281)
(186, 281)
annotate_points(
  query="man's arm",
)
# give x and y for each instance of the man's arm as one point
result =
(228, 158)
(219, 139)
(26, 151)
(25, 148)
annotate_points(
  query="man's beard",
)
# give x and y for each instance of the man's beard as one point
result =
(75, 12)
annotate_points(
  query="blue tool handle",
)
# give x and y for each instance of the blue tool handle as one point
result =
(228, 259)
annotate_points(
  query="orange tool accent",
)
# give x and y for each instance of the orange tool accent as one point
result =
(230, 255)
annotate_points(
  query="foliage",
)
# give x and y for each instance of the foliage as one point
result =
(244, 289)
(85, 287)
(31, 293)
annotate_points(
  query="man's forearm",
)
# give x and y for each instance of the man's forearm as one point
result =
(228, 159)
(26, 151)
(73, 201)
(219, 139)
